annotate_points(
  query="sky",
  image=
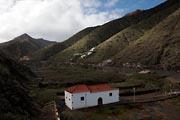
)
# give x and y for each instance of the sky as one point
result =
(57, 20)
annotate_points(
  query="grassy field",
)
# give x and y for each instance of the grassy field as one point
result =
(46, 95)
(110, 112)
(64, 75)
(122, 84)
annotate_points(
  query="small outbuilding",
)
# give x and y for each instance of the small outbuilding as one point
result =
(83, 96)
(145, 72)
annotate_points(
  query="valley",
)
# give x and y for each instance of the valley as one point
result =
(151, 86)
(137, 54)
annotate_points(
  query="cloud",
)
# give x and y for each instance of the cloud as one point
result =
(51, 19)
(91, 3)
(110, 3)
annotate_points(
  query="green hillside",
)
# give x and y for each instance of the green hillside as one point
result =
(23, 45)
(160, 46)
(15, 103)
(48, 51)
(121, 40)
(106, 31)
(148, 37)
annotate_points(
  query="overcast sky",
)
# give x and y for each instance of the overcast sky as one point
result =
(57, 20)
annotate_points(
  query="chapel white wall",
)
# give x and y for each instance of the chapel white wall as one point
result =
(77, 102)
(68, 99)
(91, 99)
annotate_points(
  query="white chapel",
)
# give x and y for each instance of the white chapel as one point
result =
(83, 96)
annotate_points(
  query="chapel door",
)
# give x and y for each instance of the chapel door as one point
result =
(100, 101)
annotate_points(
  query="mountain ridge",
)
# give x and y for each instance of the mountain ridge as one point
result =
(118, 42)
(114, 40)
(23, 45)
(47, 52)
(106, 31)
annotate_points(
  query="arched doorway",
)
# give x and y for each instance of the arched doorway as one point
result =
(100, 101)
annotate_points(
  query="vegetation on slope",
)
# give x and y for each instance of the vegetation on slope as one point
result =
(99, 35)
(160, 46)
(15, 103)
(46, 52)
(118, 42)
(107, 30)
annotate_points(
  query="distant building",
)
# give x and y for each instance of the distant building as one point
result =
(92, 49)
(24, 58)
(83, 96)
(145, 72)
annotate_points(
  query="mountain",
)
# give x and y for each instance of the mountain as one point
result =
(15, 102)
(23, 45)
(46, 52)
(159, 46)
(126, 26)
(143, 37)
(123, 39)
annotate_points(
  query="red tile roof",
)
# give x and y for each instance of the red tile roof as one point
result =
(92, 88)
(100, 88)
(77, 89)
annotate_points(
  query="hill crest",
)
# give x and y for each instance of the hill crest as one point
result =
(23, 45)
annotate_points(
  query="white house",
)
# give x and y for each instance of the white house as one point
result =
(82, 96)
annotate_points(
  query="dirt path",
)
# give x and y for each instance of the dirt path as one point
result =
(49, 112)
